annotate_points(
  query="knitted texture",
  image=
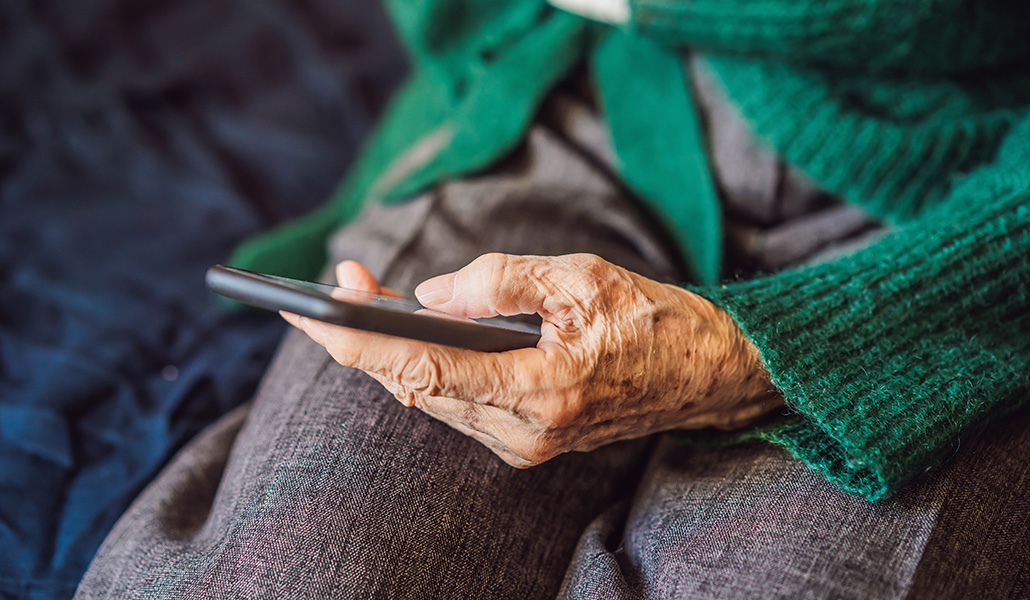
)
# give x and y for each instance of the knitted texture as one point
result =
(893, 355)
(910, 36)
(890, 144)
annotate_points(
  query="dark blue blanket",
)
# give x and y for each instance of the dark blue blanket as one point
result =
(140, 140)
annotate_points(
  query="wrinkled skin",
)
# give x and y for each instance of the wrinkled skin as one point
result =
(621, 356)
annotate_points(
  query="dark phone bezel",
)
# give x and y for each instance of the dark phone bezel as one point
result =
(252, 288)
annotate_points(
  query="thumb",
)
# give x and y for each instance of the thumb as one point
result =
(353, 275)
(493, 284)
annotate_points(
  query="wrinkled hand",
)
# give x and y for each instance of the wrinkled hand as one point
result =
(620, 357)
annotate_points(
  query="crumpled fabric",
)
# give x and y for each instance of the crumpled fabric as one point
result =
(140, 141)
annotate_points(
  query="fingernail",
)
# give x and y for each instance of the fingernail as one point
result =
(436, 291)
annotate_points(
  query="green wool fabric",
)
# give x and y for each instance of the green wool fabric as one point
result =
(893, 355)
(941, 37)
(479, 72)
(918, 111)
(481, 69)
(671, 163)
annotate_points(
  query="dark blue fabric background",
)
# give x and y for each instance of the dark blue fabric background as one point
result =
(140, 140)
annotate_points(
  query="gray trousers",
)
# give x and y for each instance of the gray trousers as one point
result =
(326, 487)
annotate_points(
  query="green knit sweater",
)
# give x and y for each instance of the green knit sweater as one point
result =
(918, 111)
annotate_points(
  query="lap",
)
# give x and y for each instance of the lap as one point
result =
(751, 521)
(328, 487)
(332, 488)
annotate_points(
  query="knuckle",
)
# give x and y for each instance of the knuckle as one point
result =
(592, 264)
(590, 278)
(491, 260)
(422, 372)
(485, 278)
(492, 265)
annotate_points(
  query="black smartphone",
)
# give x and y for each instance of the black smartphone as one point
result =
(370, 312)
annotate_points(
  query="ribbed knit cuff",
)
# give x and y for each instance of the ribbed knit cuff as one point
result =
(894, 354)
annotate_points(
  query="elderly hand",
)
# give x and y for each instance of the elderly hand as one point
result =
(620, 357)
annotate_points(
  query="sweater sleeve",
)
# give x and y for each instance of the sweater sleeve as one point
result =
(955, 35)
(889, 357)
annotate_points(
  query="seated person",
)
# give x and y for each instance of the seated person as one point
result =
(844, 185)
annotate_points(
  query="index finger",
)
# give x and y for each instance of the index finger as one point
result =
(493, 378)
